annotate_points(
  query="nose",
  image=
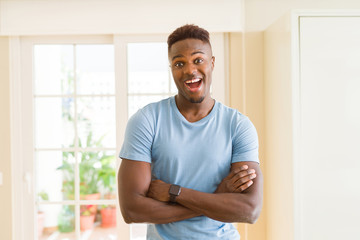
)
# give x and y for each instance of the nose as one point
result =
(190, 69)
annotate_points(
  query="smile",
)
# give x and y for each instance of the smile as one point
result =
(194, 85)
(193, 80)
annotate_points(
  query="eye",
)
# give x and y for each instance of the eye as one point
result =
(198, 60)
(179, 64)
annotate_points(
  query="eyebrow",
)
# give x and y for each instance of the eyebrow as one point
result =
(180, 55)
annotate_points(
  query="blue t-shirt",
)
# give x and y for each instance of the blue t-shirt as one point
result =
(194, 155)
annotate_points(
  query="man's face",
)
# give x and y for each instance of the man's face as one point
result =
(192, 64)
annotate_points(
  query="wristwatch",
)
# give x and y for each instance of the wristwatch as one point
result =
(174, 191)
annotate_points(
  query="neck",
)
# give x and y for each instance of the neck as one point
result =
(194, 112)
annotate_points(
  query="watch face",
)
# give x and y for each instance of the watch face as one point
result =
(175, 190)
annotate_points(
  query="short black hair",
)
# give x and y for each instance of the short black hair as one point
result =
(188, 31)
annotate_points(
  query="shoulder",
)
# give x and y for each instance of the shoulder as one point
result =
(239, 125)
(232, 115)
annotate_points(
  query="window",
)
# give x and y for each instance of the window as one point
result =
(73, 100)
(75, 145)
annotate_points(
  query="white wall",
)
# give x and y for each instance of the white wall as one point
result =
(278, 128)
(259, 14)
(117, 17)
(5, 163)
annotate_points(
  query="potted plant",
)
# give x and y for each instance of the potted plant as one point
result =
(88, 171)
(108, 216)
(92, 167)
(87, 217)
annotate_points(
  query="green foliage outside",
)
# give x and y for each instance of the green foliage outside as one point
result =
(96, 170)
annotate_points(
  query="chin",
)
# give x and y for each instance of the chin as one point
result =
(197, 100)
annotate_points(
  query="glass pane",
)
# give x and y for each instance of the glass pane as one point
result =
(96, 122)
(98, 225)
(95, 69)
(148, 68)
(97, 175)
(55, 175)
(53, 68)
(55, 222)
(148, 82)
(138, 231)
(137, 102)
(54, 126)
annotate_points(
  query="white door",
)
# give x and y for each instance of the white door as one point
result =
(330, 127)
(69, 137)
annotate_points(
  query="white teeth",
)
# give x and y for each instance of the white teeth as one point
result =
(193, 80)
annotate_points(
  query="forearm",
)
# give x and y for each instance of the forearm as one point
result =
(226, 204)
(134, 179)
(141, 209)
(225, 207)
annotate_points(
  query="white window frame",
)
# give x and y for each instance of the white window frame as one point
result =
(22, 122)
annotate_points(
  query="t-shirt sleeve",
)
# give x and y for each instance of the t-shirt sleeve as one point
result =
(138, 138)
(245, 142)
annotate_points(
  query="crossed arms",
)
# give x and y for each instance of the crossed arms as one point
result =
(238, 197)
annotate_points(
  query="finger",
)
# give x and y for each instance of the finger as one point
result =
(244, 187)
(244, 179)
(236, 177)
(233, 173)
(237, 170)
(244, 167)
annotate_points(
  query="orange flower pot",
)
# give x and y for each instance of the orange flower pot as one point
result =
(87, 222)
(108, 217)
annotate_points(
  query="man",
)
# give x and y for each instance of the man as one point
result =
(189, 162)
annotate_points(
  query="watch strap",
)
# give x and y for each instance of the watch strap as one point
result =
(173, 198)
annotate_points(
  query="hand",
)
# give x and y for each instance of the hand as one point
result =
(159, 190)
(237, 181)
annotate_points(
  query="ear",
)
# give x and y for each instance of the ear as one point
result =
(212, 62)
